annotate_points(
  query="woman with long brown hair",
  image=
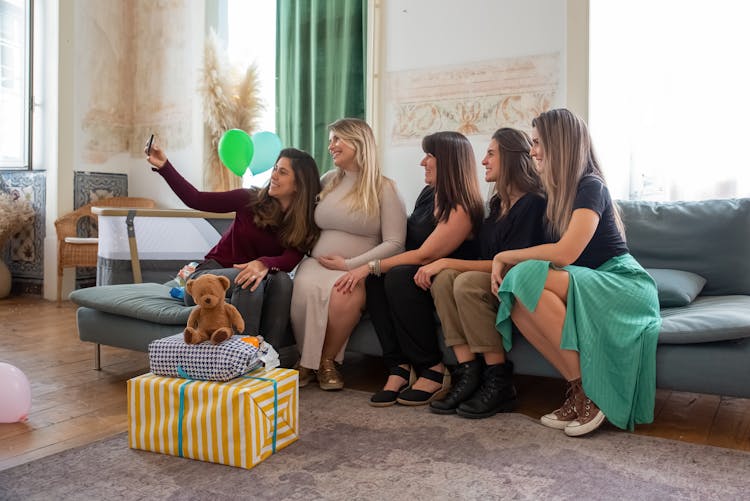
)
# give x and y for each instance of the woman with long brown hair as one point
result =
(272, 230)
(445, 222)
(481, 384)
(583, 301)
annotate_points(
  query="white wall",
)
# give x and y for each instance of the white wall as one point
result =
(85, 37)
(424, 34)
(142, 61)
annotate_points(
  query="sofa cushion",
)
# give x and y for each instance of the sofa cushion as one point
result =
(707, 319)
(149, 302)
(710, 238)
(676, 287)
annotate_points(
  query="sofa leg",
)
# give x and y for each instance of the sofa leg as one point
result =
(98, 357)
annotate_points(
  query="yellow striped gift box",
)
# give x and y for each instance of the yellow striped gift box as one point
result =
(238, 423)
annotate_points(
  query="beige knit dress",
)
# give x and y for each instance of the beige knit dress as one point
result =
(351, 235)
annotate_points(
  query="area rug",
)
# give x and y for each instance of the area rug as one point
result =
(348, 451)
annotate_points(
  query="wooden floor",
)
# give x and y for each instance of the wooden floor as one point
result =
(73, 404)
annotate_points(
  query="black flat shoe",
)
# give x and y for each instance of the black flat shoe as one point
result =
(386, 398)
(413, 397)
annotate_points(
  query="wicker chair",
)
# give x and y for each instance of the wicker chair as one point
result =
(75, 251)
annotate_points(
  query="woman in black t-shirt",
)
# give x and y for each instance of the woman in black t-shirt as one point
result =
(583, 301)
(481, 384)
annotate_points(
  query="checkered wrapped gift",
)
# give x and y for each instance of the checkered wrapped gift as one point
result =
(173, 357)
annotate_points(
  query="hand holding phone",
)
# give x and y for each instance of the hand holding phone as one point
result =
(148, 145)
(156, 158)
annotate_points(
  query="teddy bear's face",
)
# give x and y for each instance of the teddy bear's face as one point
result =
(208, 290)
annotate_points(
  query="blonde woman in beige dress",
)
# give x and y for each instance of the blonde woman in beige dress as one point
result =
(362, 218)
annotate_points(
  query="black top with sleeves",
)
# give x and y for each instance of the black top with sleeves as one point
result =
(521, 227)
(421, 223)
(607, 241)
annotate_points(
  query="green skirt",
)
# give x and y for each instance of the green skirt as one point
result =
(612, 321)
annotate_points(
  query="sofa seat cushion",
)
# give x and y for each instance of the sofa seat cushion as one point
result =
(707, 319)
(149, 302)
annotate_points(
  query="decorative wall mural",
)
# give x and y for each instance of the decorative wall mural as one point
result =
(136, 82)
(473, 99)
(25, 253)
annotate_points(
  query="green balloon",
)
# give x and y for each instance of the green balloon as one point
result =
(236, 150)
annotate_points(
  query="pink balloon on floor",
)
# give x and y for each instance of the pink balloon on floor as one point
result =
(15, 394)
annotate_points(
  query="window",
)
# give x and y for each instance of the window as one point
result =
(302, 82)
(669, 97)
(15, 83)
(251, 39)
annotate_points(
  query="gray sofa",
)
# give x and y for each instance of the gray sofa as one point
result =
(704, 344)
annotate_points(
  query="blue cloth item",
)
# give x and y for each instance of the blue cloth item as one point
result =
(612, 320)
(177, 292)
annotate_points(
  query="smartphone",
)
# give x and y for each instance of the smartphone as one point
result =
(148, 145)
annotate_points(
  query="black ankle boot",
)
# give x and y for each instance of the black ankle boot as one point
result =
(465, 380)
(496, 394)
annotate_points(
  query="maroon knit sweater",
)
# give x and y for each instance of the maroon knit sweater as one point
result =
(243, 241)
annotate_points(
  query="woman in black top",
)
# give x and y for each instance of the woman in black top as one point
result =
(482, 385)
(582, 300)
(445, 222)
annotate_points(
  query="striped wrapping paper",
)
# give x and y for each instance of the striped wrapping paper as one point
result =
(238, 423)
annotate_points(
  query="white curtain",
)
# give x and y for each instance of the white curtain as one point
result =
(669, 104)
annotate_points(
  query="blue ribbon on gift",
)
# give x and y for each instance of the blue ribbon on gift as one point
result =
(275, 406)
(184, 375)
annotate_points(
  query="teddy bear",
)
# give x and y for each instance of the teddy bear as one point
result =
(212, 318)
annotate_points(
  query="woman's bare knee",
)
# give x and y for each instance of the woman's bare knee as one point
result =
(557, 283)
(342, 303)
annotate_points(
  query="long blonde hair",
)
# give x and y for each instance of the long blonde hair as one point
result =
(365, 196)
(569, 156)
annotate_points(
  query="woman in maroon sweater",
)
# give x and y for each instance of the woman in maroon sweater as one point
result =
(272, 230)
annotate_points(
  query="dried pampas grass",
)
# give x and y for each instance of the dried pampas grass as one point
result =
(15, 214)
(231, 101)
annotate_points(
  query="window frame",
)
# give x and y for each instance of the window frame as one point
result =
(28, 93)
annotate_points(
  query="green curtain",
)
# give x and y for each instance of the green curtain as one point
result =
(320, 70)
